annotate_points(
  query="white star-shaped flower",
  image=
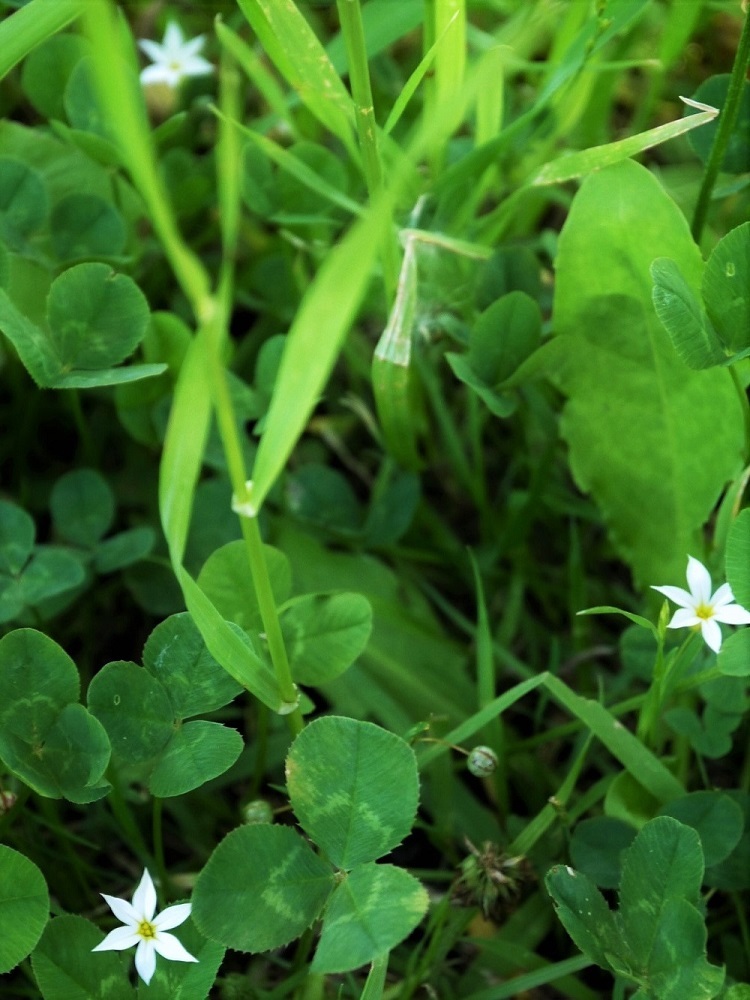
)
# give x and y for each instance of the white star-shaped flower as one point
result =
(699, 607)
(146, 931)
(176, 58)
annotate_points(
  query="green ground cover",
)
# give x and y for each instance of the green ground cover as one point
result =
(374, 375)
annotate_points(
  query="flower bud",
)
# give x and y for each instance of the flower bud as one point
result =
(482, 761)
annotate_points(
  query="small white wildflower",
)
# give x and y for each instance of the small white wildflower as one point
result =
(176, 58)
(146, 931)
(699, 607)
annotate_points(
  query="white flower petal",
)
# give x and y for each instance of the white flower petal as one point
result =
(168, 946)
(159, 74)
(699, 581)
(712, 634)
(192, 46)
(722, 596)
(173, 916)
(144, 897)
(196, 66)
(123, 910)
(145, 960)
(677, 595)
(118, 940)
(173, 37)
(732, 614)
(684, 618)
(152, 49)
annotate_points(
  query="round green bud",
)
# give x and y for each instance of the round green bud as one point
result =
(482, 761)
(256, 811)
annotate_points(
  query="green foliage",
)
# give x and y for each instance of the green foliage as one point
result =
(611, 345)
(63, 966)
(354, 815)
(78, 346)
(24, 907)
(657, 937)
(715, 331)
(714, 91)
(46, 738)
(302, 289)
(143, 710)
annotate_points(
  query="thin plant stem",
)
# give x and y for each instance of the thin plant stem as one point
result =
(727, 121)
(157, 838)
(270, 618)
(350, 17)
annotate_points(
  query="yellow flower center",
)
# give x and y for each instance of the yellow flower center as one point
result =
(146, 930)
(704, 611)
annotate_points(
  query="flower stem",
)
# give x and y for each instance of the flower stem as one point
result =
(727, 121)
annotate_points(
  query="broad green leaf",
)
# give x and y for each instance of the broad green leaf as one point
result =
(43, 353)
(24, 907)
(196, 753)
(176, 655)
(717, 819)
(134, 709)
(4, 266)
(584, 914)
(45, 72)
(677, 967)
(124, 549)
(51, 571)
(726, 288)
(353, 787)
(627, 799)
(39, 680)
(683, 318)
(734, 655)
(733, 874)
(740, 991)
(96, 317)
(261, 888)
(664, 862)
(324, 634)
(83, 507)
(710, 737)
(65, 968)
(371, 911)
(738, 558)
(75, 755)
(84, 225)
(227, 581)
(30, 342)
(714, 91)
(23, 201)
(393, 505)
(675, 436)
(17, 533)
(409, 659)
(322, 496)
(501, 404)
(596, 849)
(505, 334)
